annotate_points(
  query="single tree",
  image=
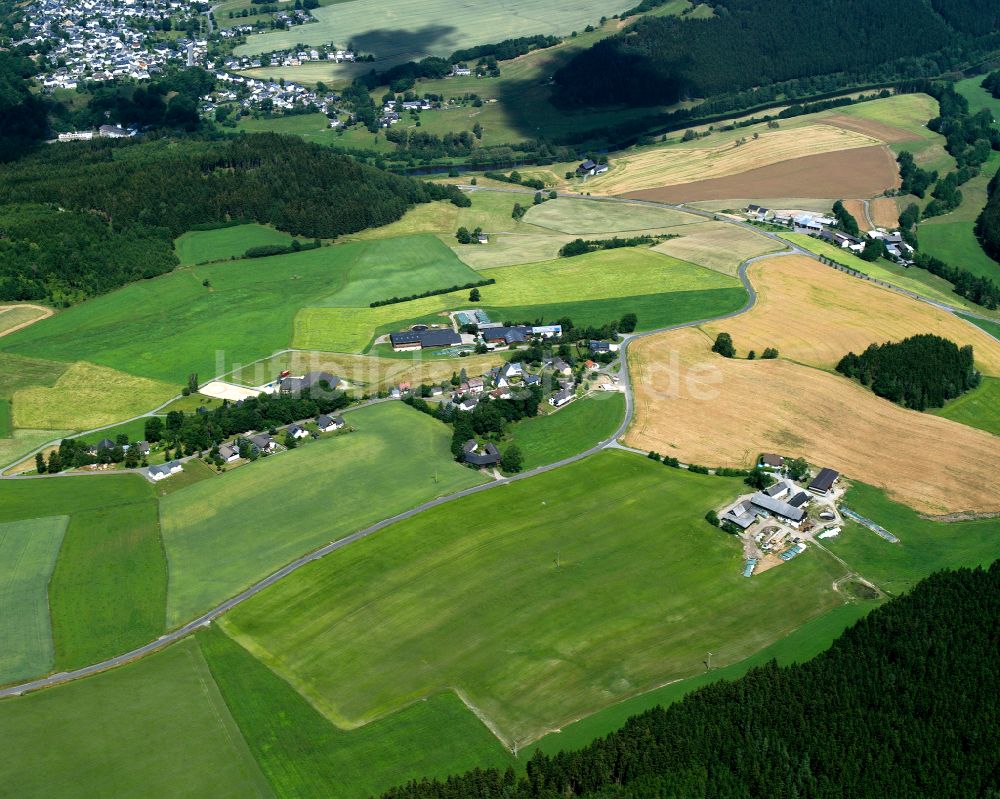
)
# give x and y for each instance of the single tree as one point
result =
(769, 354)
(40, 463)
(512, 460)
(712, 518)
(797, 468)
(464, 236)
(724, 346)
(759, 479)
(628, 323)
(474, 295)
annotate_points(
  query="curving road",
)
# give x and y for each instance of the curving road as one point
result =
(609, 443)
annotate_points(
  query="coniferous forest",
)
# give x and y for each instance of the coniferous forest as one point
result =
(83, 219)
(905, 703)
(661, 60)
(919, 372)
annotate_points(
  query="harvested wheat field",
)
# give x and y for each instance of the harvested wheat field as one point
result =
(884, 212)
(815, 315)
(702, 408)
(667, 166)
(856, 208)
(859, 172)
(717, 245)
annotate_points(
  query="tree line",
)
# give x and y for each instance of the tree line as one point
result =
(113, 207)
(988, 222)
(903, 703)
(919, 372)
(582, 247)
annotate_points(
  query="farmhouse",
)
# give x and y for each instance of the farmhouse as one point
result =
(771, 461)
(489, 456)
(327, 424)
(423, 339)
(105, 444)
(590, 167)
(742, 514)
(161, 472)
(506, 335)
(142, 447)
(777, 507)
(561, 367)
(482, 238)
(228, 453)
(824, 482)
(294, 385)
(546, 331)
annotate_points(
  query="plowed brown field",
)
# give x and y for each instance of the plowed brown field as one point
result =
(857, 172)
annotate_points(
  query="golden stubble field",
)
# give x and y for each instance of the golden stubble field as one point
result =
(815, 315)
(717, 245)
(702, 408)
(667, 166)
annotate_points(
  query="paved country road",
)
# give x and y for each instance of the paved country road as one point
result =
(609, 443)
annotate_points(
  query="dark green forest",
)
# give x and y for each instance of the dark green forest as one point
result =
(919, 372)
(122, 202)
(988, 223)
(662, 60)
(904, 704)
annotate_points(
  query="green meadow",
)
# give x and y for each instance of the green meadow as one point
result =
(199, 246)
(302, 754)
(223, 534)
(542, 602)
(571, 429)
(804, 643)
(593, 218)
(157, 727)
(6, 425)
(925, 546)
(171, 326)
(993, 328)
(978, 408)
(108, 589)
(596, 288)
(28, 551)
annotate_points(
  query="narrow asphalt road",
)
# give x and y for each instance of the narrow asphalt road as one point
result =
(205, 619)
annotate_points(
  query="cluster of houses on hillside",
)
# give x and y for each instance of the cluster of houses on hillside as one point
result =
(825, 227)
(289, 58)
(100, 40)
(252, 94)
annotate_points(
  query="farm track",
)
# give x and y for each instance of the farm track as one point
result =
(609, 443)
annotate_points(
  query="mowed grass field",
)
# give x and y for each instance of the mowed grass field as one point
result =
(14, 317)
(800, 645)
(107, 592)
(221, 535)
(591, 218)
(155, 726)
(815, 314)
(414, 29)
(552, 289)
(587, 585)
(979, 408)
(199, 246)
(671, 165)
(572, 429)
(367, 373)
(166, 328)
(303, 754)
(28, 551)
(797, 410)
(717, 245)
(88, 395)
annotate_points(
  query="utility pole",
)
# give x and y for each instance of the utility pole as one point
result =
(710, 661)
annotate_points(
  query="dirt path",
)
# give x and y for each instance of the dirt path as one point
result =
(45, 314)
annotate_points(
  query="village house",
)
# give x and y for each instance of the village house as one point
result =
(297, 431)
(772, 462)
(327, 424)
(560, 398)
(164, 470)
(228, 453)
(263, 442)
